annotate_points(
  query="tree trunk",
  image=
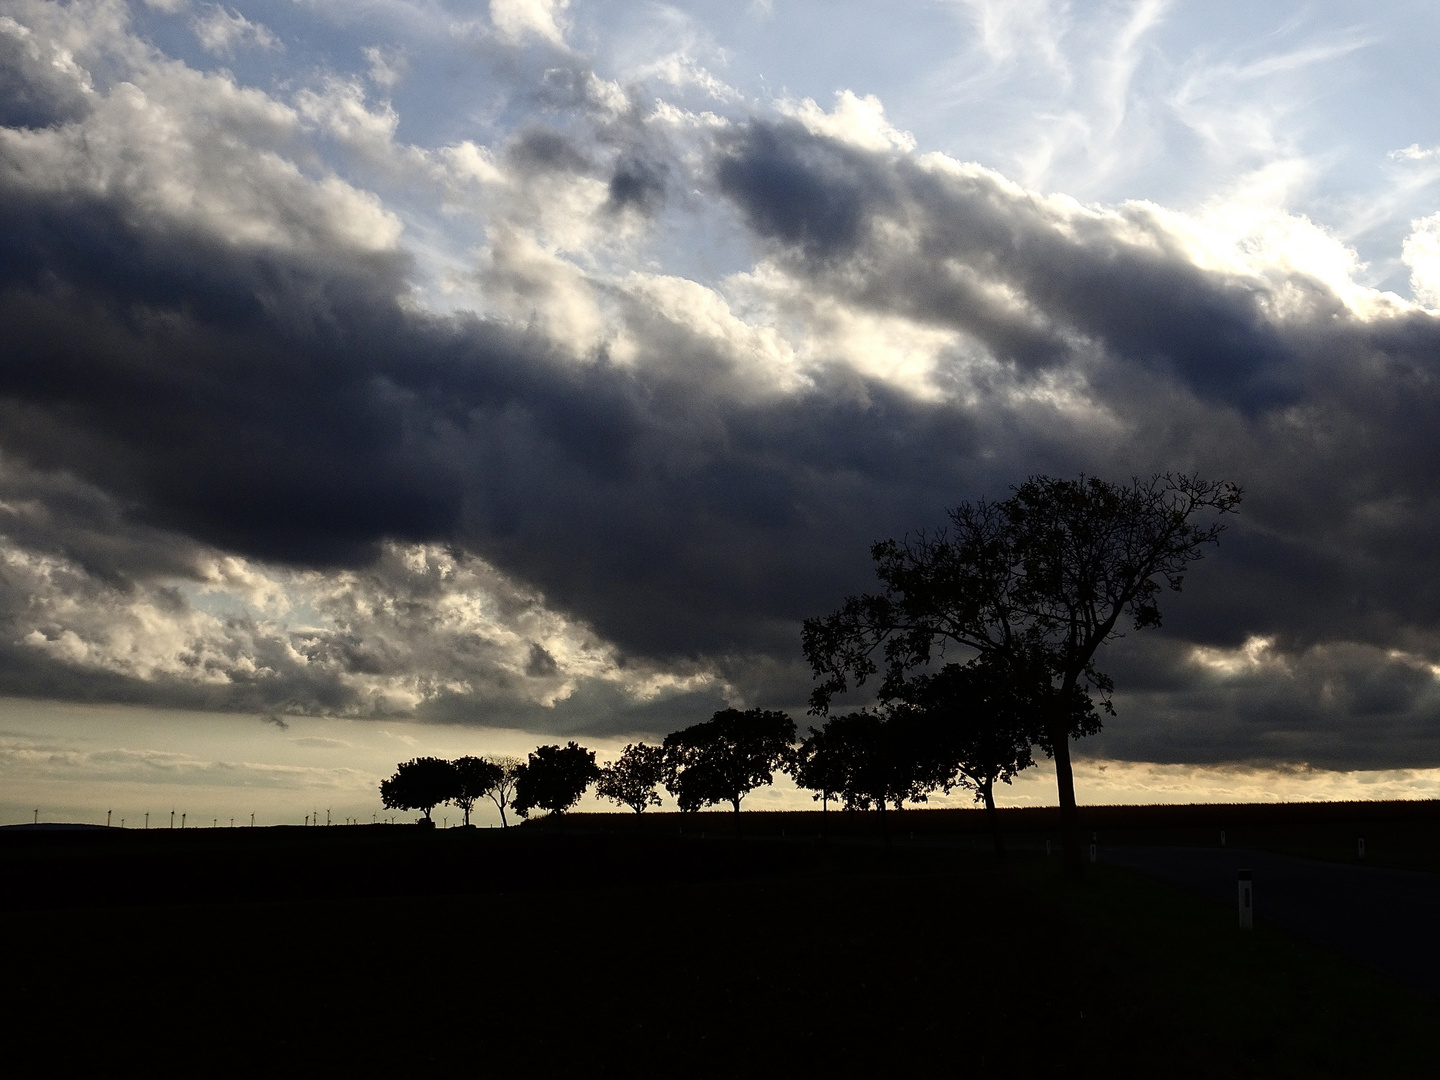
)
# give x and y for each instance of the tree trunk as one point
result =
(989, 792)
(1072, 860)
(736, 804)
(503, 823)
(884, 825)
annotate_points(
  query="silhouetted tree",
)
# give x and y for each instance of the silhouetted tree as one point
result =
(420, 784)
(502, 792)
(819, 766)
(727, 756)
(632, 779)
(1040, 581)
(976, 724)
(881, 762)
(554, 778)
(477, 776)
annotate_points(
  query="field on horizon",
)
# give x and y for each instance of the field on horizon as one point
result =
(583, 945)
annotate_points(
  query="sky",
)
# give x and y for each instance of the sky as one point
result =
(384, 378)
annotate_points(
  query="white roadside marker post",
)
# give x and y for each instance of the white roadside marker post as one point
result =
(1362, 847)
(1222, 837)
(1094, 839)
(1247, 900)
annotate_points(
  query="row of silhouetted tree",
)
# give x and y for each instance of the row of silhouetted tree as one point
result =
(959, 727)
(1028, 588)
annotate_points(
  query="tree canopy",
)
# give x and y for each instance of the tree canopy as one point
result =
(1037, 583)
(821, 766)
(976, 724)
(881, 761)
(553, 778)
(477, 776)
(421, 784)
(727, 756)
(633, 777)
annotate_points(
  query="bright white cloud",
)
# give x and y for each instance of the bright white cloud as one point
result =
(517, 19)
(150, 141)
(387, 66)
(1414, 153)
(1422, 256)
(338, 107)
(681, 70)
(856, 120)
(421, 624)
(1256, 654)
(222, 30)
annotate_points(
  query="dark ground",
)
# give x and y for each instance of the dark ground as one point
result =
(1385, 919)
(638, 952)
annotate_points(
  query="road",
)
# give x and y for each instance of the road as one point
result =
(1388, 920)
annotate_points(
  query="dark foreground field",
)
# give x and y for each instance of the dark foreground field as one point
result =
(612, 950)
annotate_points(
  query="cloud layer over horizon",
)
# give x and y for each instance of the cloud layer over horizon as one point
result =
(560, 406)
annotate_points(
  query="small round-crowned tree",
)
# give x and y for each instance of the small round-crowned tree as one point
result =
(420, 784)
(727, 757)
(554, 778)
(632, 779)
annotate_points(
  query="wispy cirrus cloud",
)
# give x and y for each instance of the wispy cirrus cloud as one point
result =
(222, 30)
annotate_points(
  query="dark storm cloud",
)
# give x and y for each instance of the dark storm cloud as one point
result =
(242, 399)
(542, 150)
(636, 184)
(810, 192)
(166, 387)
(34, 92)
(55, 514)
(294, 412)
(835, 209)
(1330, 420)
(1337, 705)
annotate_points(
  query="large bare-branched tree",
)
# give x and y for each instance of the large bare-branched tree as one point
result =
(1036, 584)
(502, 792)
